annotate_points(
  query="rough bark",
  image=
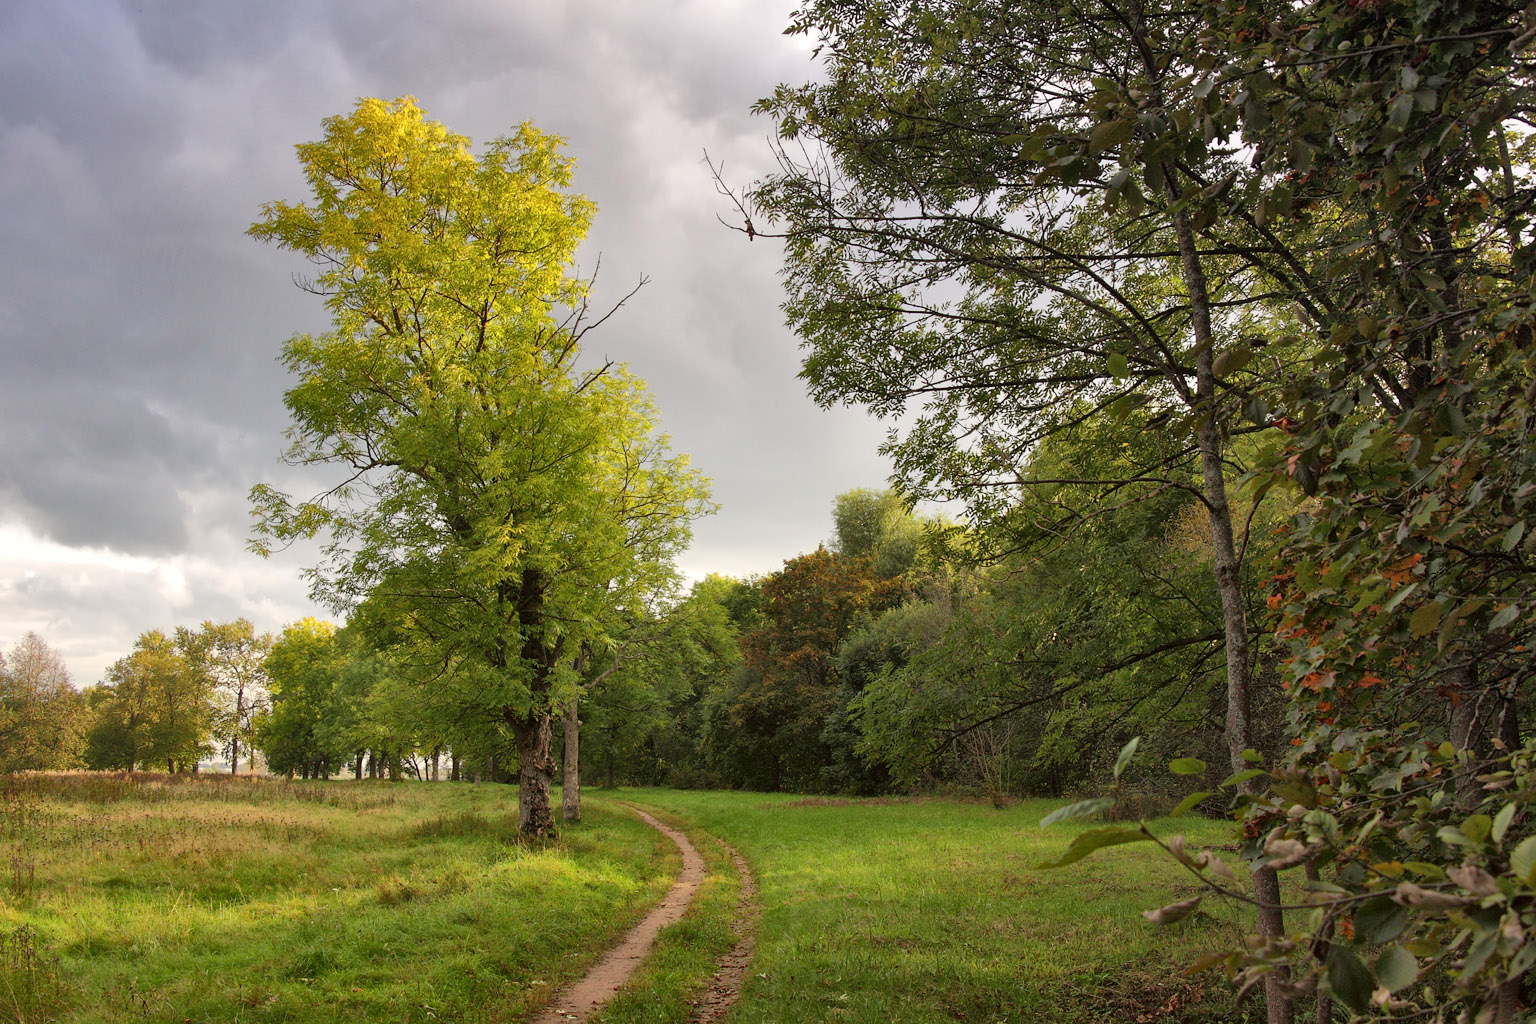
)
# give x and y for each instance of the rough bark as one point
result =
(570, 770)
(534, 735)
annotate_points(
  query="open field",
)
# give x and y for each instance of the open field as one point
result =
(147, 899)
(919, 911)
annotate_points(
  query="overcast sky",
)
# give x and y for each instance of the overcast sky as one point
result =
(140, 397)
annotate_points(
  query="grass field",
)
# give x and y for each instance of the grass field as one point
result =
(153, 899)
(915, 911)
(211, 900)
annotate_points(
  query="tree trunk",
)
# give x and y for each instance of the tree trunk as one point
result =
(1227, 572)
(1471, 712)
(534, 736)
(570, 770)
(453, 774)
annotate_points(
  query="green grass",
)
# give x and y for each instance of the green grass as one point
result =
(885, 911)
(147, 899)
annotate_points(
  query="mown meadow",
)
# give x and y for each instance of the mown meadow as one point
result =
(928, 910)
(155, 898)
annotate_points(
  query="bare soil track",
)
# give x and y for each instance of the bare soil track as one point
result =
(581, 1001)
(731, 970)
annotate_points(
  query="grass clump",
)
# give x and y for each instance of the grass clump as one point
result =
(31, 985)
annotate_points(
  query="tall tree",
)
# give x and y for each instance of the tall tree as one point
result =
(233, 656)
(492, 484)
(997, 213)
(157, 710)
(42, 717)
(298, 732)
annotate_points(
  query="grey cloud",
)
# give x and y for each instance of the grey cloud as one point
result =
(139, 390)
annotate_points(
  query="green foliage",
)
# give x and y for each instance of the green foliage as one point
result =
(42, 718)
(303, 731)
(154, 710)
(498, 502)
(780, 723)
(1309, 221)
(231, 656)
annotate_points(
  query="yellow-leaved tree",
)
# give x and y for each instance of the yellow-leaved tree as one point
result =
(500, 504)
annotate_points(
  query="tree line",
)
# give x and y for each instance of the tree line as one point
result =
(1275, 257)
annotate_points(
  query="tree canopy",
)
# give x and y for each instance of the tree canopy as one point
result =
(499, 498)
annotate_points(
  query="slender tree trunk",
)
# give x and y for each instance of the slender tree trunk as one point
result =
(1471, 712)
(1227, 571)
(359, 768)
(453, 774)
(570, 770)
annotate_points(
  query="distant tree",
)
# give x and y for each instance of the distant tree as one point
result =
(491, 485)
(154, 709)
(298, 733)
(42, 717)
(879, 526)
(232, 656)
(770, 719)
(642, 719)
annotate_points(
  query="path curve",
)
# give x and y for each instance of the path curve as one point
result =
(586, 997)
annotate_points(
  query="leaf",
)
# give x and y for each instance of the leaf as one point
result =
(1477, 827)
(1111, 133)
(1126, 753)
(1238, 778)
(1501, 822)
(1348, 978)
(1380, 920)
(1119, 366)
(1081, 809)
(1186, 766)
(1522, 861)
(1425, 618)
(1251, 756)
(1509, 613)
(1189, 803)
(1395, 968)
(1232, 360)
(1172, 912)
(1097, 839)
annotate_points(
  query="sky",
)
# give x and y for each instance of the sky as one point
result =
(140, 393)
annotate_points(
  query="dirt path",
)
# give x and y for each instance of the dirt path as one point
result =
(731, 970)
(582, 1000)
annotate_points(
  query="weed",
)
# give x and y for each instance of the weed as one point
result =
(31, 985)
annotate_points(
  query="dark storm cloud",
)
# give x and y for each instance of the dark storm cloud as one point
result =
(140, 395)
